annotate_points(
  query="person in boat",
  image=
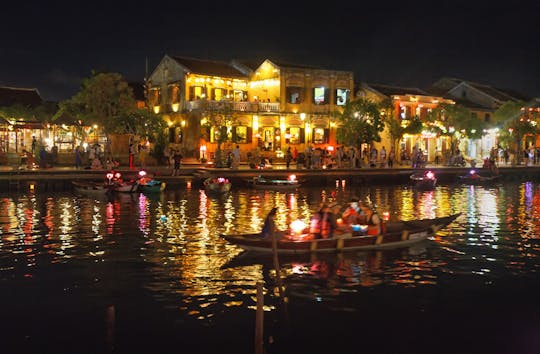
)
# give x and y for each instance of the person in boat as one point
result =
(374, 222)
(269, 229)
(354, 214)
(323, 223)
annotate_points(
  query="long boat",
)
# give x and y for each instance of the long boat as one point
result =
(261, 182)
(474, 178)
(91, 187)
(398, 234)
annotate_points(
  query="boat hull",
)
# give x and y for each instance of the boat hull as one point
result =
(217, 187)
(409, 232)
(91, 187)
(477, 180)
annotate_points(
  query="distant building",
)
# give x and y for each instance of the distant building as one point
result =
(408, 103)
(16, 132)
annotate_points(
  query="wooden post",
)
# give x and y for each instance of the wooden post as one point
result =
(276, 265)
(110, 319)
(259, 323)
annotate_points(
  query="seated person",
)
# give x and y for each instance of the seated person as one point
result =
(323, 223)
(269, 229)
(354, 214)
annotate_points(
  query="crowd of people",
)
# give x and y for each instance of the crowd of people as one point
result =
(331, 221)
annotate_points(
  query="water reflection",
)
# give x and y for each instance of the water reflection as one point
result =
(169, 244)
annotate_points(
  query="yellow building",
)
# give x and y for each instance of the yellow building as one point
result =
(408, 102)
(269, 106)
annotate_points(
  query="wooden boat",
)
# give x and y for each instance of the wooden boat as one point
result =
(91, 187)
(217, 185)
(149, 185)
(424, 180)
(474, 178)
(398, 234)
(261, 182)
(126, 187)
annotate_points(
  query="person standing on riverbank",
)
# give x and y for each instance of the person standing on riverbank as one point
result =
(78, 157)
(177, 162)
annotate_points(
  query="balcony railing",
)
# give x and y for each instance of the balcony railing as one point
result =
(235, 106)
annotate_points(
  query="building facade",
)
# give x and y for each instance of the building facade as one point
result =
(408, 103)
(270, 106)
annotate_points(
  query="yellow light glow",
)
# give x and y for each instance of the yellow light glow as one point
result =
(255, 123)
(302, 116)
(156, 109)
(175, 107)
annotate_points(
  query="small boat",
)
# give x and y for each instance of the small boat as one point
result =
(117, 184)
(474, 178)
(424, 180)
(398, 234)
(126, 187)
(148, 184)
(217, 185)
(151, 185)
(91, 187)
(261, 182)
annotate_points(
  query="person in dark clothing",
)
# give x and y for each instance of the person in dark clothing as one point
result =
(177, 157)
(269, 228)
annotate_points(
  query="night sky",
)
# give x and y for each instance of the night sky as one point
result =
(52, 45)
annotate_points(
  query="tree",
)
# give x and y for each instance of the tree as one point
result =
(106, 100)
(515, 125)
(219, 119)
(361, 122)
(450, 119)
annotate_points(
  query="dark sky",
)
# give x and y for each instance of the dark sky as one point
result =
(52, 45)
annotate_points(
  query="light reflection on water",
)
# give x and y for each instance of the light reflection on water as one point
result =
(168, 244)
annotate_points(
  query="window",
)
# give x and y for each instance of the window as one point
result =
(295, 94)
(175, 135)
(218, 94)
(154, 97)
(240, 96)
(320, 135)
(196, 93)
(242, 134)
(487, 118)
(294, 135)
(342, 97)
(174, 94)
(321, 95)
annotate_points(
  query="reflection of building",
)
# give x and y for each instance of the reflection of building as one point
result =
(271, 105)
(408, 103)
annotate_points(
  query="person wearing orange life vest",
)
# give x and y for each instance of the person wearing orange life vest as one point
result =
(374, 222)
(354, 214)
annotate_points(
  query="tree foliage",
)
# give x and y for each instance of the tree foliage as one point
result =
(41, 113)
(361, 122)
(515, 125)
(219, 119)
(105, 99)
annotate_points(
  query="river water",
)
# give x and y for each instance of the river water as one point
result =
(150, 274)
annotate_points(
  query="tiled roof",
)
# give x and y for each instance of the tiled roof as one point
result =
(209, 67)
(495, 92)
(389, 90)
(10, 96)
(283, 64)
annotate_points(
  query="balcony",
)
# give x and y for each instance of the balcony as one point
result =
(252, 107)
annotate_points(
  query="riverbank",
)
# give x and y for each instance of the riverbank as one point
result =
(14, 178)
